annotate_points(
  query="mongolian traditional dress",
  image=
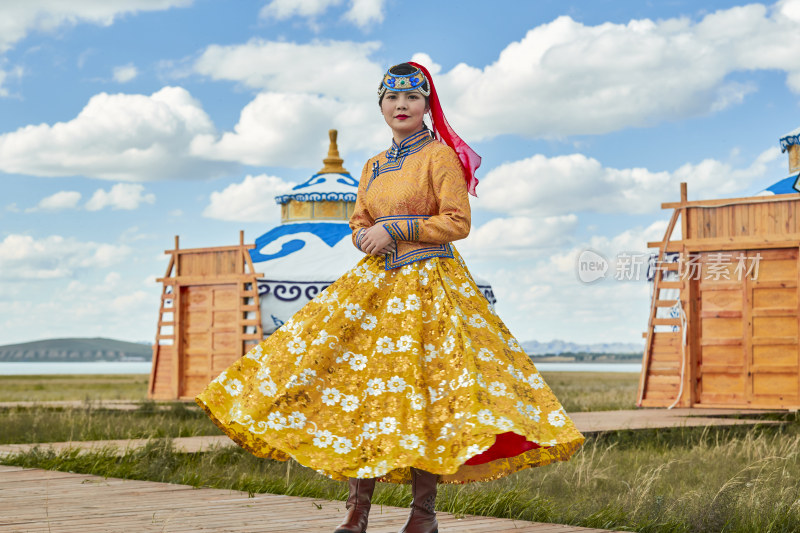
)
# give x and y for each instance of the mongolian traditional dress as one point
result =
(402, 361)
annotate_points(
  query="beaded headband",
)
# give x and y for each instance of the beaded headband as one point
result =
(404, 82)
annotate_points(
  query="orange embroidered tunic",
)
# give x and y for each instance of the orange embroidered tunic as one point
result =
(416, 190)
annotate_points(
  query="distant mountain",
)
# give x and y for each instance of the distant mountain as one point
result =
(96, 349)
(100, 349)
(555, 347)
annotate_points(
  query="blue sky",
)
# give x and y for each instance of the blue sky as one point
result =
(125, 123)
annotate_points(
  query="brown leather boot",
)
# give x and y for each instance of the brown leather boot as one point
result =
(422, 518)
(358, 504)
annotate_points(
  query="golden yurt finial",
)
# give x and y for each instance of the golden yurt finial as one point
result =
(333, 163)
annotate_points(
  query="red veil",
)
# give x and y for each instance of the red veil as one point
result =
(443, 132)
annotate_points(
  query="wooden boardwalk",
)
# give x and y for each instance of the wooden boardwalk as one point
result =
(45, 501)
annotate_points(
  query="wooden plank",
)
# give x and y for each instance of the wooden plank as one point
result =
(732, 244)
(723, 354)
(721, 314)
(661, 369)
(782, 298)
(774, 340)
(775, 384)
(672, 246)
(699, 204)
(722, 328)
(715, 368)
(774, 369)
(715, 299)
(709, 341)
(774, 326)
(666, 303)
(776, 312)
(666, 322)
(666, 353)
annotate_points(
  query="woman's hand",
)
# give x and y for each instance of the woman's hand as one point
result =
(377, 241)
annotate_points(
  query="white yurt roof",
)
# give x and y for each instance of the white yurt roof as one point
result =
(323, 187)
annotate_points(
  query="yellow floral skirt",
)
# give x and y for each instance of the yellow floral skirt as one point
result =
(389, 369)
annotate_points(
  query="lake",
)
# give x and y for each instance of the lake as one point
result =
(108, 367)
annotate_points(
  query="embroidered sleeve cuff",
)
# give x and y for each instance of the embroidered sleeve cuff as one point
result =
(403, 229)
(359, 236)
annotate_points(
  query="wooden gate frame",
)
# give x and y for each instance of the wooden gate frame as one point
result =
(167, 368)
(671, 381)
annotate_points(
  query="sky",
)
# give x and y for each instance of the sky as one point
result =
(125, 123)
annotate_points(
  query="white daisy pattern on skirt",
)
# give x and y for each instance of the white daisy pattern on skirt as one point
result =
(380, 360)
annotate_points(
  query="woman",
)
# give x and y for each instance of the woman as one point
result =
(399, 371)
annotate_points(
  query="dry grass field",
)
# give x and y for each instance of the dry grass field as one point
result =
(90, 388)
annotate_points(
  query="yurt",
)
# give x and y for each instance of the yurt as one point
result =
(724, 320)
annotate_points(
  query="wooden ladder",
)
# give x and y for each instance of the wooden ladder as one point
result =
(165, 346)
(248, 292)
(657, 302)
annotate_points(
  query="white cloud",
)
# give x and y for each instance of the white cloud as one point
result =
(283, 9)
(567, 78)
(630, 241)
(576, 183)
(23, 257)
(519, 236)
(544, 299)
(127, 313)
(361, 12)
(329, 84)
(251, 200)
(134, 234)
(59, 200)
(18, 18)
(5, 75)
(125, 73)
(121, 196)
(281, 129)
(562, 78)
(121, 137)
(339, 69)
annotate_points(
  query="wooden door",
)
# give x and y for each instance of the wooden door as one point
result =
(748, 324)
(773, 375)
(208, 336)
(721, 322)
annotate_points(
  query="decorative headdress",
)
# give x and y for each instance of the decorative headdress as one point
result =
(404, 82)
(470, 161)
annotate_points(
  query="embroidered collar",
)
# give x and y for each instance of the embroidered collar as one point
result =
(409, 144)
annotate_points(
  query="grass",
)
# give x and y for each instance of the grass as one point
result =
(738, 479)
(578, 391)
(73, 387)
(594, 391)
(22, 425)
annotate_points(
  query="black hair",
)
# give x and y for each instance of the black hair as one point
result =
(404, 69)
